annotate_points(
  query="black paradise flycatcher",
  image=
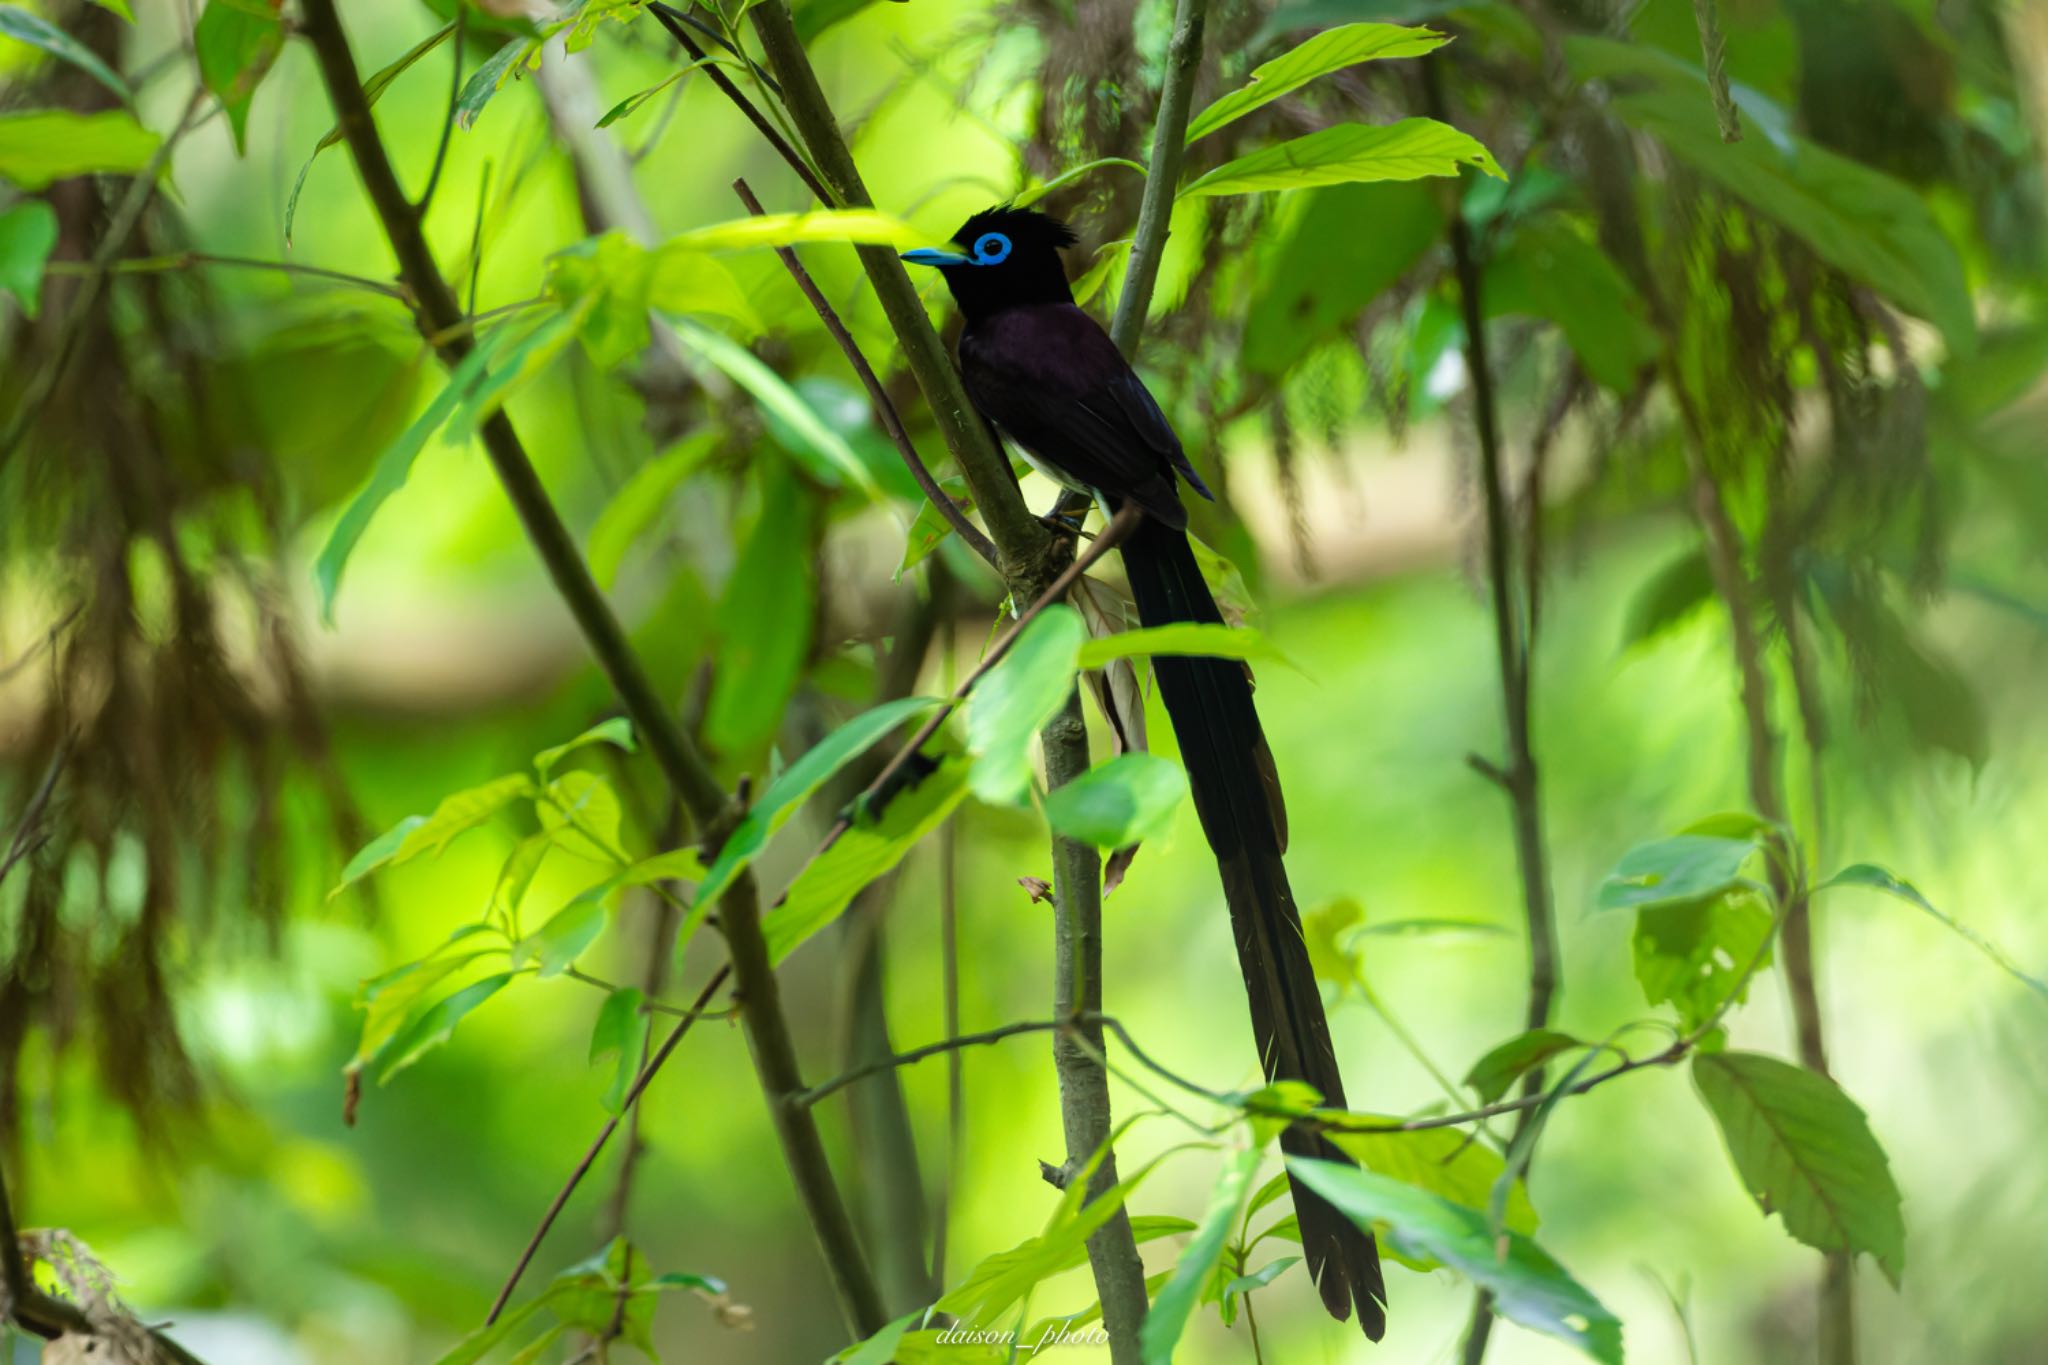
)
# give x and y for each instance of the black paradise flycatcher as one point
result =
(1052, 381)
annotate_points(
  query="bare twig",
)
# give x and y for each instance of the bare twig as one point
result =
(678, 25)
(186, 260)
(885, 410)
(1162, 177)
(604, 1134)
(1514, 613)
(426, 200)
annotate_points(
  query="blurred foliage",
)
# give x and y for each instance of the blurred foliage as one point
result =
(214, 399)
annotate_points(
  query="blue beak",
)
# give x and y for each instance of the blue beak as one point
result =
(928, 256)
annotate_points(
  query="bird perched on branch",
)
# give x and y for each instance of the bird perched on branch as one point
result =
(1053, 383)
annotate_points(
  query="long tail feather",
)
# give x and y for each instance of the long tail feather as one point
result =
(1237, 796)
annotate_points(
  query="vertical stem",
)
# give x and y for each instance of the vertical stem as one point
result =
(1162, 177)
(1084, 1085)
(1513, 608)
(739, 912)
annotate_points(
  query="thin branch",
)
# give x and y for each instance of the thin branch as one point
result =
(1162, 177)
(1514, 612)
(447, 123)
(885, 410)
(915, 1055)
(604, 1134)
(28, 830)
(186, 260)
(678, 25)
(769, 1042)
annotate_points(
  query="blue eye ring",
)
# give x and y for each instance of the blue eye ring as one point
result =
(991, 248)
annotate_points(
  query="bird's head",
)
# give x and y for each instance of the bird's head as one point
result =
(1006, 258)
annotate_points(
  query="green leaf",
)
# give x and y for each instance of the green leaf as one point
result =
(1318, 278)
(1492, 1074)
(1003, 1279)
(1331, 50)
(38, 146)
(789, 791)
(459, 813)
(393, 467)
(1876, 878)
(119, 7)
(373, 90)
(237, 42)
(814, 17)
(434, 1027)
(676, 865)
(521, 361)
(1528, 1286)
(28, 231)
(489, 78)
(1696, 953)
(582, 810)
(1668, 596)
(635, 507)
(1182, 637)
(1015, 699)
(1805, 1152)
(1443, 1161)
(867, 851)
(765, 617)
(1123, 802)
(36, 31)
(1859, 220)
(864, 226)
(618, 732)
(521, 865)
(376, 853)
(1548, 270)
(615, 1040)
(880, 1349)
(386, 1000)
(822, 450)
(1350, 152)
(633, 101)
(1260, 1278)
(1681, 868)
(567, 935)
(1168, 1316)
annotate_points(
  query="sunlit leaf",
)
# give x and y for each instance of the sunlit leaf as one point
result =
(1443, 1161)
(1349, 152)
(377, 852)
(1182, 637)
(617, 732)
(1695, 953)
(1331, 50)
(459, 813)
(583, 812)
(1806, 1153)
(38, 146)
(865, 226)
(435, 1025)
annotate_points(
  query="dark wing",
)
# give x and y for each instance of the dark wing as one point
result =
(1056, 385)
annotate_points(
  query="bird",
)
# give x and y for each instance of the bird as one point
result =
(1046, 376)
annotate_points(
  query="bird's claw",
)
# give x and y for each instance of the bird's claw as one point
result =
(1062, 525)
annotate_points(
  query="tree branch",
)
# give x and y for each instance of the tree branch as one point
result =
(885, 410)
(1514, 611)
(1162, 177)
(604, 1135)
(687, 773)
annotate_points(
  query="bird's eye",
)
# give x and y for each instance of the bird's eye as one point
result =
(991, 248)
